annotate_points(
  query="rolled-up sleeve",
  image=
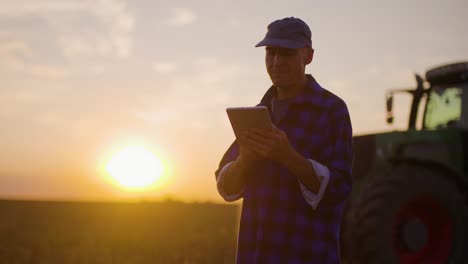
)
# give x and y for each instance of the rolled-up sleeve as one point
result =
(313, 199)
(220, 174)
(220, 185)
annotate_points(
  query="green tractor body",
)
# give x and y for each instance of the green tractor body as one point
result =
(379, 153)
(410, 188)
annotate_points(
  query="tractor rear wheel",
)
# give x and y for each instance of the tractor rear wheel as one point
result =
(347, 231)
(415, 214)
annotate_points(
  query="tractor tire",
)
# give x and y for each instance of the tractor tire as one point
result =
(415, 214)
(347, 229)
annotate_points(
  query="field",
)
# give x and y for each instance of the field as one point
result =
(89, 232)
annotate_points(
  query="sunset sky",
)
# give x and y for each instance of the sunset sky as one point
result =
(82, 79)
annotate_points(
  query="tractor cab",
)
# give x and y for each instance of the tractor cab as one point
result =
(447, 106)
(445, 91)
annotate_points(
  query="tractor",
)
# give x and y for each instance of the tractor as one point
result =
(410, 188)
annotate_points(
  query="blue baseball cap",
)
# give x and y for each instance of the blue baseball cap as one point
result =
(290, 33)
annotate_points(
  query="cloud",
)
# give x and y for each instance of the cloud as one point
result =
(164, 67)
(161, 116)
(212, 71)
(50, 72)
(182, 17)
(20, 8)
(97, 68)
(10, 50)
(234, 23)
(206, 86)
(76, 35)
(13, 46)
(13, 53)
(74, 46)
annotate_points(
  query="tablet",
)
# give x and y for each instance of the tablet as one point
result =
(248, 117)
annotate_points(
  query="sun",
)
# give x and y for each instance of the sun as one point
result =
(134, 167)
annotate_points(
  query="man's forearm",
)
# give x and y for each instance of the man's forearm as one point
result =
(303, 170)
(234, 179)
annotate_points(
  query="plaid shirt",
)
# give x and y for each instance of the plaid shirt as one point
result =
(277, 224)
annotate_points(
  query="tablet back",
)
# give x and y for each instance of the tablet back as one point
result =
(248, 117)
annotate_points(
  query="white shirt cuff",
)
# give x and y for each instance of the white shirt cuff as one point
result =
(220, 186)
(323, 173)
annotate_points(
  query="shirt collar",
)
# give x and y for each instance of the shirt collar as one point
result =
(310, 94)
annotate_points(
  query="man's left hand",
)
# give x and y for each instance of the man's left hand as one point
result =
(270, 143)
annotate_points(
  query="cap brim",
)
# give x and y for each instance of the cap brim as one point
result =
(282, 43)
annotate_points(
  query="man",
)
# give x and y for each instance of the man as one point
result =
(295, 178)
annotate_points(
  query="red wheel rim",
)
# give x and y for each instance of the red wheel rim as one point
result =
(438, 225)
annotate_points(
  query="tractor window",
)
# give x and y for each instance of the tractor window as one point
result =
(444, 107)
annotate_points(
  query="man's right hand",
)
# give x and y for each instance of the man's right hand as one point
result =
(247, 154)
